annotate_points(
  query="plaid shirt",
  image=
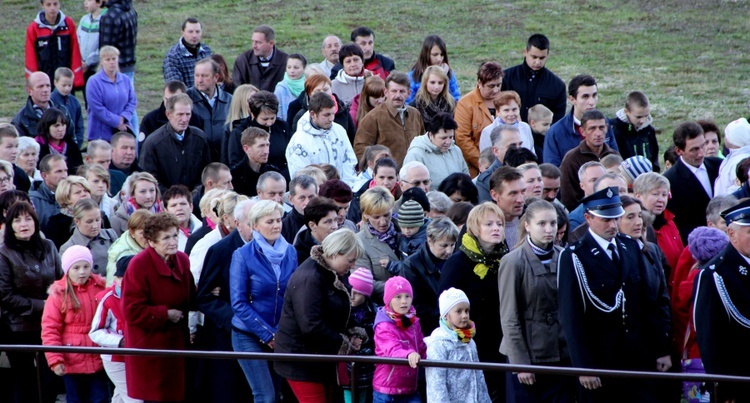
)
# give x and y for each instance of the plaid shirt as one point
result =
(179, 63)
(118, 27)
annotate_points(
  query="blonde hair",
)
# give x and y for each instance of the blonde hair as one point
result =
(376, 200)
(62, 193)
(107, 51)
(143, 176)
(264, 208)
(240, 108)
(423, 97)
(204, 205)
(342, 242)
(314, 172)
(527, 167)
(225, 205)
(478, 213)
(82, 207)
(8, 168)
(96, 170)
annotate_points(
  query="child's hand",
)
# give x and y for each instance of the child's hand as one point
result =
(59, 369)
(526, 378)
(384, 262)
(356, 343)
(590, 382)
(413, 359)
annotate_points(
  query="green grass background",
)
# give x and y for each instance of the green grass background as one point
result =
(689, 57)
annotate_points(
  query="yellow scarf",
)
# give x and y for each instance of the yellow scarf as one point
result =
(484, 262)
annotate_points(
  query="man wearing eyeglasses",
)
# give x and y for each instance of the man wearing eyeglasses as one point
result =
(414, 174)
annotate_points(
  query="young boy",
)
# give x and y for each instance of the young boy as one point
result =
(486, 159)
(540, 119)
(51, 43)
(413, 227)
(88, 37)
(633, 131)
(61, 96)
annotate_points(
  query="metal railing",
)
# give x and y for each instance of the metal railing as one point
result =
(356, 359)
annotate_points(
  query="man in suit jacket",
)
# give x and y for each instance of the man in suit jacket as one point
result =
(691, 179)
(597, 275)
(264, 65)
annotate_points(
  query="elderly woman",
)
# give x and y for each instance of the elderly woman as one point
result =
(652, 190)
(99, 180)
(315, 316)
(130, 243)
(28, 157)
(143, 193)
(157, 293)
(528, 308)
(475, 111)
(422, 269)
(260, 271)
(111, 98)
(436, 149)
(88, 232)
(29, 264)
(473, 269)
(53, 138)
(380, 237)
(69, 191)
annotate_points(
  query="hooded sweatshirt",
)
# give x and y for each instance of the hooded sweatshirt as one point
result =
(347, 87)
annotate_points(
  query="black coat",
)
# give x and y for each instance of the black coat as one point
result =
(73, 156)
(158, 118)
(721, 338)
(291, 225)
(629, 340)
(245, 180)
(174, 162)
(689, 200)
(314, 317)
(248, 70)
(632, 142)
(424, 276)
(543, 87)
(303, 244)
(196, 236)
(280, 137)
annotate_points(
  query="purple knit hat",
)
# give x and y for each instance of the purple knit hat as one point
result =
(396, 285)
(75, 254)
(706, 242)
(361, 281)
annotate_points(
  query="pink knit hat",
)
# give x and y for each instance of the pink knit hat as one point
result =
(361, 281)
(75, 254)
(396, 285)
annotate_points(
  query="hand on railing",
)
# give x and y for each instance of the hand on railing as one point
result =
(526, 378)
(590, 382)
(413, 359)
(663, 364)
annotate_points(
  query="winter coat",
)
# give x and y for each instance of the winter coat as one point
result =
(50, 45)
(408, 245)
(453, 384)
(472, 116)
(179, 62)
(383, 126)
(118, 27)
(71, 328)
(562, 137)
(299, 107)
(374, 251)
(394, 342)
(312, 145)
(291, 224)
(149, 289)
(216, 273)
(532, 333)
(280, 137)
(415, 85)
(257, 293)
(570, 189)
(213, 118)
(527, 139)
(422, 269)
(193, 225)
(248, 70)
(174, 162)
(24, 280)
(668, 237)
(346, 86)
(107, 102)
(632, 141)
(303, 242)
(26, 119)
(157, 118)
(120, 219)
(440, 164)
(108, 325)
(245, 180)
(99, 247)
(44, 203)
(71, 104)
(313, 320)
(536, 87)
(73, 156)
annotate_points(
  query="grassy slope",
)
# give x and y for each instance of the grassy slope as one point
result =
(688, 58)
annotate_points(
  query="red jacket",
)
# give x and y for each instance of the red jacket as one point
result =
(53, 45)
(682, 303)
(71, 328)
(149, 289)
(668, 239)
(108, 326)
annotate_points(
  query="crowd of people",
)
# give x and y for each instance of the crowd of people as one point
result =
(345, 207)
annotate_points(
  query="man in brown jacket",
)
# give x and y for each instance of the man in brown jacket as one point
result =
(393, 123)
(592, 148)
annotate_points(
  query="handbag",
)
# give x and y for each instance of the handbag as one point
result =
(693, 391)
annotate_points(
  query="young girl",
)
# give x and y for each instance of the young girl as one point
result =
(288, 89)
(433, 53)
(453, 341)
(433, 96)
(397, 335)
(53, 137)
(508, 111)
(372, 95)
(371, 155)
(362, 318)
(66, 322)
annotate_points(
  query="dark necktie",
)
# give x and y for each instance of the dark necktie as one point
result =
(613, 251)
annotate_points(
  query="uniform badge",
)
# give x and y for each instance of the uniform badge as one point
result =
(609, 193)
(743, 270)
(595, 251)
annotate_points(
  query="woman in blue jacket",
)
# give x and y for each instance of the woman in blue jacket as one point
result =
(259, 274)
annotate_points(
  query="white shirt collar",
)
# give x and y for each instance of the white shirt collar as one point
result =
(693, 169)
(603, 243)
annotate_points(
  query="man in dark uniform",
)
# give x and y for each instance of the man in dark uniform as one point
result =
(610, 318)
(722, 306)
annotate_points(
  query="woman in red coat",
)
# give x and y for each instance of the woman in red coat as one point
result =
(157, 293)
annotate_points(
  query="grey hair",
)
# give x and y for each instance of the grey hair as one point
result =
(303, 181)
(528, 166)
(442, 227)
(649, 181)
(584, 167)
(342, 242)
(497, 133)
(96, 145)
(323, 44)
(609, 175)
(25, 142)
(717, 205)
(403, 174)
(439, 201)
(261, 186)
(242, 208)
(314, 68)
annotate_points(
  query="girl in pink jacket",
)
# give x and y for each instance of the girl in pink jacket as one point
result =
(66, 321)
(397, 335)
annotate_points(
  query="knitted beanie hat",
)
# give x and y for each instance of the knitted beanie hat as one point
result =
(450, 298)
(396, 285)
(75, 254)
(361, 281)
(706, 242)
(737, 132)
(410, 214)
(634, 166)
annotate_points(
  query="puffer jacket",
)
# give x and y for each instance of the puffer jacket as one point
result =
(71, 328)
(24, 280)
(453, 384)
(441, 164)
(390, 341)
(257, 295)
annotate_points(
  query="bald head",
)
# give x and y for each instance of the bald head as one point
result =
(39, 89)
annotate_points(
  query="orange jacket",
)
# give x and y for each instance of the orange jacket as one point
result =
(472, 115)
